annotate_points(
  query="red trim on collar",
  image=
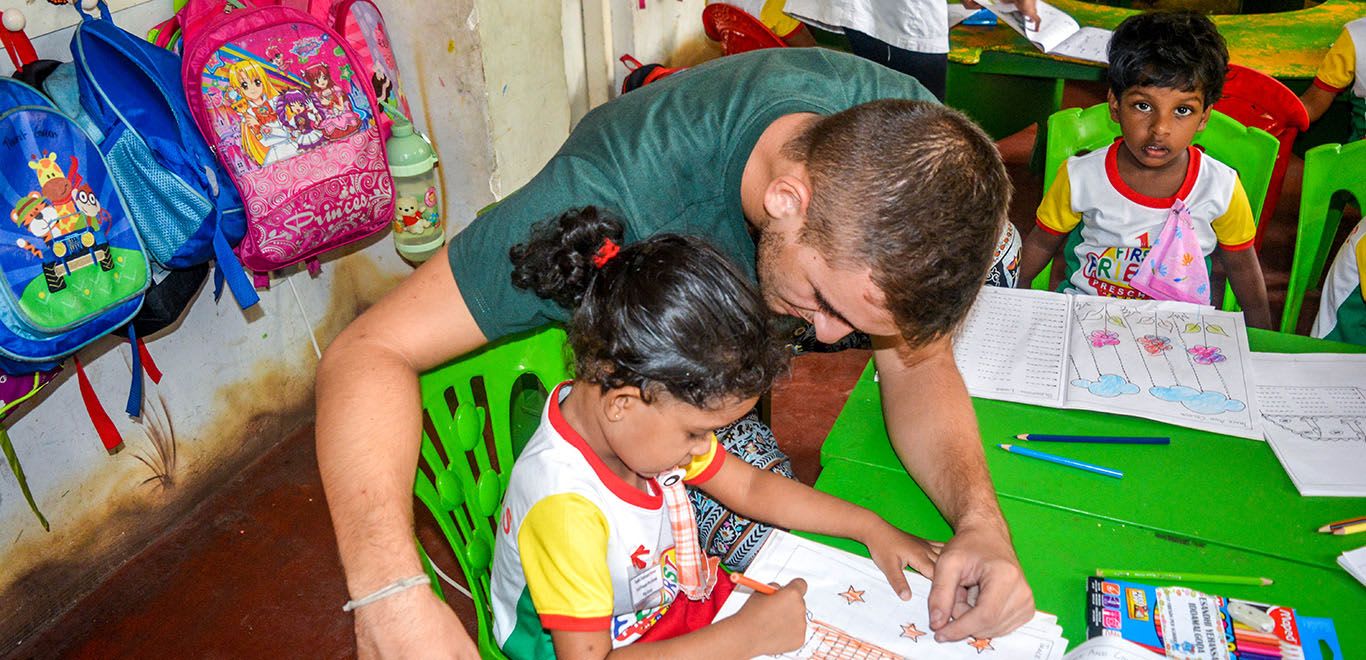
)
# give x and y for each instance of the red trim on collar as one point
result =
(1318, 82)
(628, 493)
(1112, 173)
(718, 457)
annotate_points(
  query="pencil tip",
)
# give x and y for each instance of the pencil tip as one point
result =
(1266, 582)
(1326, 528)
(1006, 447)
(1022, 436)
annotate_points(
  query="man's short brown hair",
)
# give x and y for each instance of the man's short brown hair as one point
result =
(914, 191)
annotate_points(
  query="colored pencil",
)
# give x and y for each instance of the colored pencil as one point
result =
(1103, 439)
(1063, 461)
(745, 581)
(1350, 529)
(1184, 577)
(1328, 529)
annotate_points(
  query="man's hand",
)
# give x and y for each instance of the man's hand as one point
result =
(412, 624)
(979, 589)
(893, 550)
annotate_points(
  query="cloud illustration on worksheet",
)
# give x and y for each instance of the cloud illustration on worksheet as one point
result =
(1205, 403)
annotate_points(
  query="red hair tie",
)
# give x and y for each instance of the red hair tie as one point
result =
(606, 253)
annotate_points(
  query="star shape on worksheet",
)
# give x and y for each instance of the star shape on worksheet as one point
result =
(852, 595)
(982, 645)
(911, 632)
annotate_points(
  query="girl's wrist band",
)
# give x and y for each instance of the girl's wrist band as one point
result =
(386, 591)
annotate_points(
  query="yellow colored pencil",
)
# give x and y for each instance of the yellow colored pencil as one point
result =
(1350, 529)
(1328, 529)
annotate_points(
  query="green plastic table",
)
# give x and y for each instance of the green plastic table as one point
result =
(1001, 80)
(1204, 489)
(1058, 549)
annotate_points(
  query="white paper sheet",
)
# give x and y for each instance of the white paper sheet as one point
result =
(1173, 362)
(1057, 33)
(852, 613)
(1314, 410)
(1111, 648)
(1355, 563)
(1014, 346)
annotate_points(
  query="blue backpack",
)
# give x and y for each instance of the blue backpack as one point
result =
(129, 98)
(72, 267)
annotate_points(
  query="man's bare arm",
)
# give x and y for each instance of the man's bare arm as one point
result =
(933, 429)
(368, 431)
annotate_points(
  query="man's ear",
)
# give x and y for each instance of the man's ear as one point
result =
(619, 401)
(1113, 102)
(787, 197)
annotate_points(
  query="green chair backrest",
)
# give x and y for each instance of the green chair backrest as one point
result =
(1249, 151)
(1328, 170)
(482, 411)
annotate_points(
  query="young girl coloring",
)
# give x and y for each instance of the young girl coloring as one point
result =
(597, 551)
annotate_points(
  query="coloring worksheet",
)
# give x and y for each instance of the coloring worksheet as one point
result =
(853, 614)
(1314, 416)
(1174, 362)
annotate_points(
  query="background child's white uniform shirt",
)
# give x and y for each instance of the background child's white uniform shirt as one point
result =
(1342, 309)
(916, 25)
(1119, 225)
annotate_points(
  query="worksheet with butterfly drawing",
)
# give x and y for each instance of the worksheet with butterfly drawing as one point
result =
(1173, 362)
(853, 614)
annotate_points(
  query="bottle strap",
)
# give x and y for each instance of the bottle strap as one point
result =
(17, 45)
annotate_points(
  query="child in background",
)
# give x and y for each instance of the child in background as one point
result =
(1336, 73)
(597, 547)
(1166, 71)
(1342, 308)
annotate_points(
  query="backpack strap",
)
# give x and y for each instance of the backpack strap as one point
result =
(313, 266)
(260, 280)
(228, 268)
(18, 470)
(103, 7)
(134, 407)
(16, 43)
(109, 434)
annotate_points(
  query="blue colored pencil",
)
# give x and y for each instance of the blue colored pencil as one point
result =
(1105, 439)
(1063, 461)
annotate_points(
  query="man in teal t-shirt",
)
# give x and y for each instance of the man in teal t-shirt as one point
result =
(858, 203)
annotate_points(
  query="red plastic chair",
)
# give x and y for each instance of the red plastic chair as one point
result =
(737, 31)
(1260, 101)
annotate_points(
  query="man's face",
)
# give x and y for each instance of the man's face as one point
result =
(797, 280)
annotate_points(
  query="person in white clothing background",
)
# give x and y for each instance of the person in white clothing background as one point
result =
(910, 36)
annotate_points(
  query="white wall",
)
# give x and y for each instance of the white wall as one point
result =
(234, 383)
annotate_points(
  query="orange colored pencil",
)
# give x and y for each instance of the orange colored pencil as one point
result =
(760, 587)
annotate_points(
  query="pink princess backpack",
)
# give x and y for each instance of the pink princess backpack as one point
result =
(280, 98)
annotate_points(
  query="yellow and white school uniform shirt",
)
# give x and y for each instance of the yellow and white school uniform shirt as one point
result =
(579, 548)
(1339, 71)
(1342, 308)
(1119, 224)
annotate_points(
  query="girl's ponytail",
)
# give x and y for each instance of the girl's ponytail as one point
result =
(563, 255)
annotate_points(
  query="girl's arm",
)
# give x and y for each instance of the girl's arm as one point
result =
(784, 502)
(1039, 248)
(765, 625)
(1245, 275)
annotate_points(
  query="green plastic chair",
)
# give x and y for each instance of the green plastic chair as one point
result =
(1249, 151)
(483, 407)
(1328, 169)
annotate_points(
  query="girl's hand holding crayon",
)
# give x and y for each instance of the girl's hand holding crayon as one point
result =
(893, 550)
(779, 619)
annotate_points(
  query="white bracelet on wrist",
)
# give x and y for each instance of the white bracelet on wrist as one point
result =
(387, 591)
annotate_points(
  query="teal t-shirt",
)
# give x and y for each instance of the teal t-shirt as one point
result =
(666, 158)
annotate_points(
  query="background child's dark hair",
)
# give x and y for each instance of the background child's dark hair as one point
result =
(669, 313)
(1174, 49)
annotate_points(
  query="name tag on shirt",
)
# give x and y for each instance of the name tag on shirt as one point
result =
(646, 587)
